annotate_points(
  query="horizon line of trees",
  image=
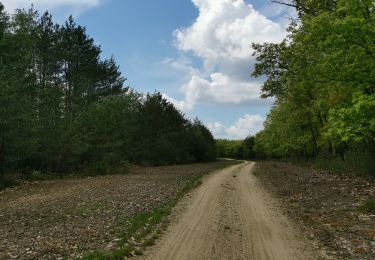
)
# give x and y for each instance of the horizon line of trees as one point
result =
(63, 108)
(236, 149)
(322, 76)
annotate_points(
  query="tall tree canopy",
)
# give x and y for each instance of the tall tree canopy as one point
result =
(322, 76)
(236, 149)
(63, 107)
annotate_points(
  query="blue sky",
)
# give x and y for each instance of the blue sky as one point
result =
(196, 52)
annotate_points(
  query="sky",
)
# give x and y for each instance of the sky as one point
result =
(197, 53)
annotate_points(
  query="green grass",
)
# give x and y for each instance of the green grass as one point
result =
(138, 252)
(149, 242)
(307, 210)
(368, 207)
(86, 210)
(141, 227)
(146, 227)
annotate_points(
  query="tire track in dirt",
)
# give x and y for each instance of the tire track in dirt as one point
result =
(230, 216)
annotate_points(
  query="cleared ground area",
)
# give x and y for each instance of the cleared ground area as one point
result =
(335, 210)
(68, 218)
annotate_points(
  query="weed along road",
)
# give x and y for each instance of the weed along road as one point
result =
(230, 216)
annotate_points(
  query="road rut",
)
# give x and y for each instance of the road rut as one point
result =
(230, 216)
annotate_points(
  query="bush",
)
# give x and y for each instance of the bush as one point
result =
(122, 168)
(36, 176)
(357, 161)
(6, 182)
(106, 164)
(102, 167)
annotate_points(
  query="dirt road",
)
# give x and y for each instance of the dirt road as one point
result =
(230, 216)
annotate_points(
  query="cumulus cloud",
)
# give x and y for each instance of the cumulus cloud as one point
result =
(245, 126)
(221, 37)
(182, 105)
(183, 63)
(217, 129)
(220, 88)
(50, 4)
(224, 30)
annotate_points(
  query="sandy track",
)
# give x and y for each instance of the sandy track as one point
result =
(230, 218)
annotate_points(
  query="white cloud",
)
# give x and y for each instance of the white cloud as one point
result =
(220, 88)
(76, 5)
(183, 106)
(217, 129)
(245, 126)
(183, 63)
(221, 37)
(225, 29)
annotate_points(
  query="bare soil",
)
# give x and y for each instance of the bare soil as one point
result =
(328, 207)
(231, 216)
(67, 218)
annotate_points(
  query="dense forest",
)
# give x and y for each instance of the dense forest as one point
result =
(322, 77)
(64, 108)
(236, 149)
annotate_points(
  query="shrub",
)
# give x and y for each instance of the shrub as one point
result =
(102, 167)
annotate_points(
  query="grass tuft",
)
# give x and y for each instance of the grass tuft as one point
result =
(142, 230)
(368, 207)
